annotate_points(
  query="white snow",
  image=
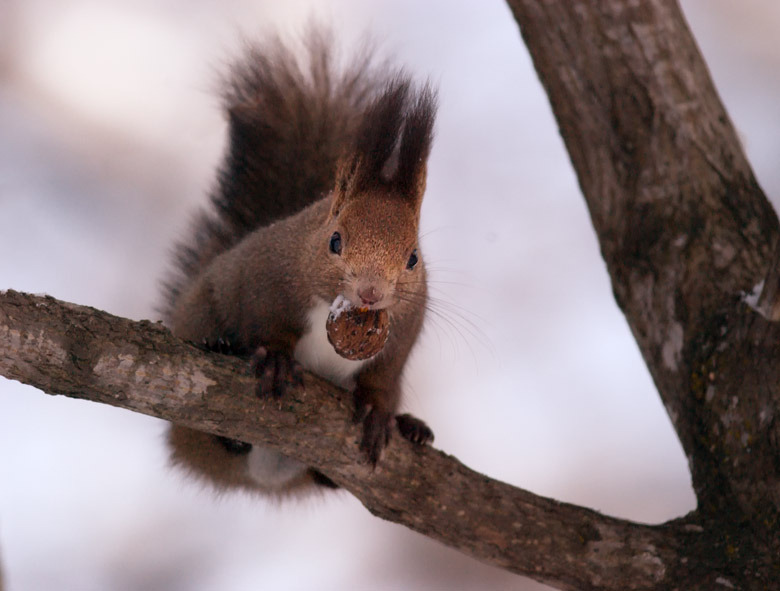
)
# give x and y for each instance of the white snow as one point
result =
(339, 305)
(751, 299)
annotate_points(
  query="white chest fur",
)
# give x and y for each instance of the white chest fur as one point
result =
(316, 354)
(267, 467)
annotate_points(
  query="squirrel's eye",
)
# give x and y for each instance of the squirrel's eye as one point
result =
(335, 243)
(412, 260)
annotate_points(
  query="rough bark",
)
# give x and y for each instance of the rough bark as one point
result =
(687, 234)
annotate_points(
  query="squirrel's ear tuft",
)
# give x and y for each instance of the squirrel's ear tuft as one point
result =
(409, 178)
(379, 133)
(393, 142)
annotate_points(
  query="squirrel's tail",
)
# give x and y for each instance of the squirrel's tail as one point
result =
(289, 118)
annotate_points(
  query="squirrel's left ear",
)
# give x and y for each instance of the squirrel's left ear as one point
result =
(417, 137)
(391, 146)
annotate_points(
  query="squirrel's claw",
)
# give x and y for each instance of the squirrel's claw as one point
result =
(414, 429)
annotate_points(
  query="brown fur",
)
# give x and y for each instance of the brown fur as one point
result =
(255, 289)
(202, 456)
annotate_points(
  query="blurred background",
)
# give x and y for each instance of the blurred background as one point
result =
(109, 135)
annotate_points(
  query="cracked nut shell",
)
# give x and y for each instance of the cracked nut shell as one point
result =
(358, 334)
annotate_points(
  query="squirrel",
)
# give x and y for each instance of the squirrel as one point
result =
(318, 196)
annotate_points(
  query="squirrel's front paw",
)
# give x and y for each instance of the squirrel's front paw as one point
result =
(376, 430)
(276, 372)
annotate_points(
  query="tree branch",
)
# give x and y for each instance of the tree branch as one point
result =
(85, 353)
(684, 228)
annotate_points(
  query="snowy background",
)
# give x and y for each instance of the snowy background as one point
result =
(109, 136)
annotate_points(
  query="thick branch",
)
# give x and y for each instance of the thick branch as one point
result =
(683, 226)
(85, 353)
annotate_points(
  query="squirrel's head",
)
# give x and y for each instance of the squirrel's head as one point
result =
(375, 212)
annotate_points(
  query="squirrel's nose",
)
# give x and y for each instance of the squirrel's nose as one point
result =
(369, 295)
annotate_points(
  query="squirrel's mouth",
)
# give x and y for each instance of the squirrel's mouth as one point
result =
(369, 294)
(386, 302)
(342, 303)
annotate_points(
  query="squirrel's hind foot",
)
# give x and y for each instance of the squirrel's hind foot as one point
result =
(414, 429)
(224, 345)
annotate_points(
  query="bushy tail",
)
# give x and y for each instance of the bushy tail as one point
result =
(289, 118)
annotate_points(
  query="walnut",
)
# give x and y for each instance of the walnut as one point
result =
(356, 333)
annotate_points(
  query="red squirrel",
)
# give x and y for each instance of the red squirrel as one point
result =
(318, 196)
